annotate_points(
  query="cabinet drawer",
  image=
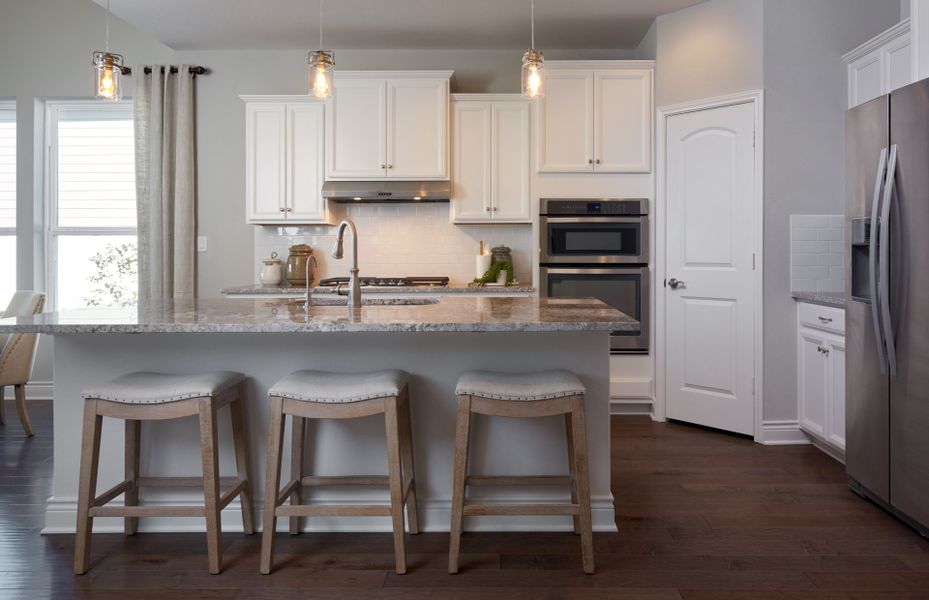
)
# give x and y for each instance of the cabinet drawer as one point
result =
(826, 318)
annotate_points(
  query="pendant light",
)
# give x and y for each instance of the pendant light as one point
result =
(108, 68)
(533, 76)
(321, 63)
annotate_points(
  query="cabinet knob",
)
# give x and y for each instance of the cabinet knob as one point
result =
(282, 209)
(390, 166)
(383, 166)
(590, 161)
(495, 209)
(597, 161)
(488, 209)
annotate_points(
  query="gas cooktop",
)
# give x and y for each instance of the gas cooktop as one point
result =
(388, 281)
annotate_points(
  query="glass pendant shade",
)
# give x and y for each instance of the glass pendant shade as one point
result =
(321, 64)
(533, 74)
(108, 69)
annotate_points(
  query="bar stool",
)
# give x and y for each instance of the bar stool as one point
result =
(145, 396)
(526, 395)
(320, 395)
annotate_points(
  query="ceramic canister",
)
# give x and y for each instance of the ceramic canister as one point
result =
(296, 265)
(272, 271)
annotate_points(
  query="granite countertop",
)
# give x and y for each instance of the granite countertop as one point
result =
(231, 315)
(836, 299)
(278, 290)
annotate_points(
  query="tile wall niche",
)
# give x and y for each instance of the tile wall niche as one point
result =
(817, 253)
(402, 239)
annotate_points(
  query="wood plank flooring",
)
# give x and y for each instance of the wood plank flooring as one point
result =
(702, 516)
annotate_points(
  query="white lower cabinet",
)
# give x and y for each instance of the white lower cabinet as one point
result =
(490, 170)
(284, 165)
(821, 374)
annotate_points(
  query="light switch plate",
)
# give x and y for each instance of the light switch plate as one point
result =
(201, 243)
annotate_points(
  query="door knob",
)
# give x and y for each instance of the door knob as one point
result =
(675, 283)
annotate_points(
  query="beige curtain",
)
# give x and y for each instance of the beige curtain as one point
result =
(165, 182)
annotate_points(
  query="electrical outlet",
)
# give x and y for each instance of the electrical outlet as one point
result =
(201, 243)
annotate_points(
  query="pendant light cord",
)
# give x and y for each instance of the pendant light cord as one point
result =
(107, 26)
(320, 24)
(532, 20)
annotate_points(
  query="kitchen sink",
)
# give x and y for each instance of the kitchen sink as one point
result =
(341, 301)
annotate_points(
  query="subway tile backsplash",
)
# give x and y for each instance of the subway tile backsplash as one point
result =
(402, 239)
(817, 253)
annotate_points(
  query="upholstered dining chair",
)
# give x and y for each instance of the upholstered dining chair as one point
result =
(17, 353)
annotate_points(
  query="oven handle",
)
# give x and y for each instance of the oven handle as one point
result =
(638, 219)
(595, 271)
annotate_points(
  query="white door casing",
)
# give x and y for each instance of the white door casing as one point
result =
(712, 214)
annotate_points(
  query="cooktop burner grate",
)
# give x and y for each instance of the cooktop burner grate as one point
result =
(388, 281)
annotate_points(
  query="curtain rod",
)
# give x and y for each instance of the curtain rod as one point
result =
(193, 70)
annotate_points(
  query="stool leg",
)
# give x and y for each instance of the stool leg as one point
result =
(579, 425)
(20, 392)
(272, 482)
(297, 450)
(395, 478)
(406, 457)
(240, 442)
(573, 471)
(133, 447)
(87, 488)
(459, 475)
(209, 451)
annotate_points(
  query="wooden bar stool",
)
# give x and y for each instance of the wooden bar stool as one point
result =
(527, 395)
(320, 395)
(143, 396)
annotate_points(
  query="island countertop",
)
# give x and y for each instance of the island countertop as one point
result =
(287, 289)
(448, 314)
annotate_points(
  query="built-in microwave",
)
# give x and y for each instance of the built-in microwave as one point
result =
(578, 231)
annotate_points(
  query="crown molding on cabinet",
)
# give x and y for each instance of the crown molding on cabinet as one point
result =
(394, 74)
(473, 97)
(595, 65)
(900, 29)
(281, 98)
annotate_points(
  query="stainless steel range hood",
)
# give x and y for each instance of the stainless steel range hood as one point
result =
(387, 191)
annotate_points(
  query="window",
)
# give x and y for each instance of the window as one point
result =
(92, 242)
(7, 202)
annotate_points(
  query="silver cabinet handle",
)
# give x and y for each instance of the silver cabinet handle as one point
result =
(885, 262)
(674, 283)
(825, 320)
(872, 260)
(590, 161)
(389, 166)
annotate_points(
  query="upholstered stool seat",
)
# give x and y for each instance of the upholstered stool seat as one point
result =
(543, 394)
(159, 388)
(321, 395)
(145, 396)
(338, 388)
(524, 388)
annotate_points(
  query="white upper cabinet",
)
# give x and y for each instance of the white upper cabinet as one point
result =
(880, 65)
(490, 174)
(388, 125)
(284, 164)
(596, 117)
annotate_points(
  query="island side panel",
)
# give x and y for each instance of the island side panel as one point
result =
(435, 360)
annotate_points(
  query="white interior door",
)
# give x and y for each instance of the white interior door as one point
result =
(710, 296)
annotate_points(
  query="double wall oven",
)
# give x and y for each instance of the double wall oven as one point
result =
(599, 248)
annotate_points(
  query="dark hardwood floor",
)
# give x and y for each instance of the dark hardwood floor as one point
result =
(702, 515)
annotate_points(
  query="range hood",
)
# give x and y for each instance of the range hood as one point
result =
(350, 192)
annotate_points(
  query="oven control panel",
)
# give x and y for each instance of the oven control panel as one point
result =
(593, 207)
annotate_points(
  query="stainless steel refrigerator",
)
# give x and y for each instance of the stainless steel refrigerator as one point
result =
(887, 310)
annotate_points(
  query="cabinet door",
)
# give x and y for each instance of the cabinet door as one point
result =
(623, 121)
(566, 123)
(510, 162)
(898, 63)
(812, 377)
(836, 421)
(264, 161)
(471, 172)
(417, 128)
(356, 132)
(865, 79)
(305, 170)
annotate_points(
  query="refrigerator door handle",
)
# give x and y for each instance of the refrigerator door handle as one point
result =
(872, 260)
(885, 262)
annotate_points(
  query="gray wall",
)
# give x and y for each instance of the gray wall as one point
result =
(805, 101)
(46, 54)
(221, 128)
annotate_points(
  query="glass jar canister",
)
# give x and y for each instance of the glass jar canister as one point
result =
(502, 254)
(296, 265)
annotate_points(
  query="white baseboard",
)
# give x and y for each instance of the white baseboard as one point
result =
(35, 390)
(434, 516)
(625, 406)
(631, 387)
(783, 433)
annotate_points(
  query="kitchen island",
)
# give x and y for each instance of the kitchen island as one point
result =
(435, 340)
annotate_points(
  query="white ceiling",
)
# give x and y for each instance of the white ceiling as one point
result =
(394, 24)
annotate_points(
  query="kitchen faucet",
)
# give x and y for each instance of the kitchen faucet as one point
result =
(354, 285)
(310, 259)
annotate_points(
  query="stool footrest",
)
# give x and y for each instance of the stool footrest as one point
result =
(147, 511)
(197, 482)
(320, 480)
(334, 510)
(477, 510)
(520, 480)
